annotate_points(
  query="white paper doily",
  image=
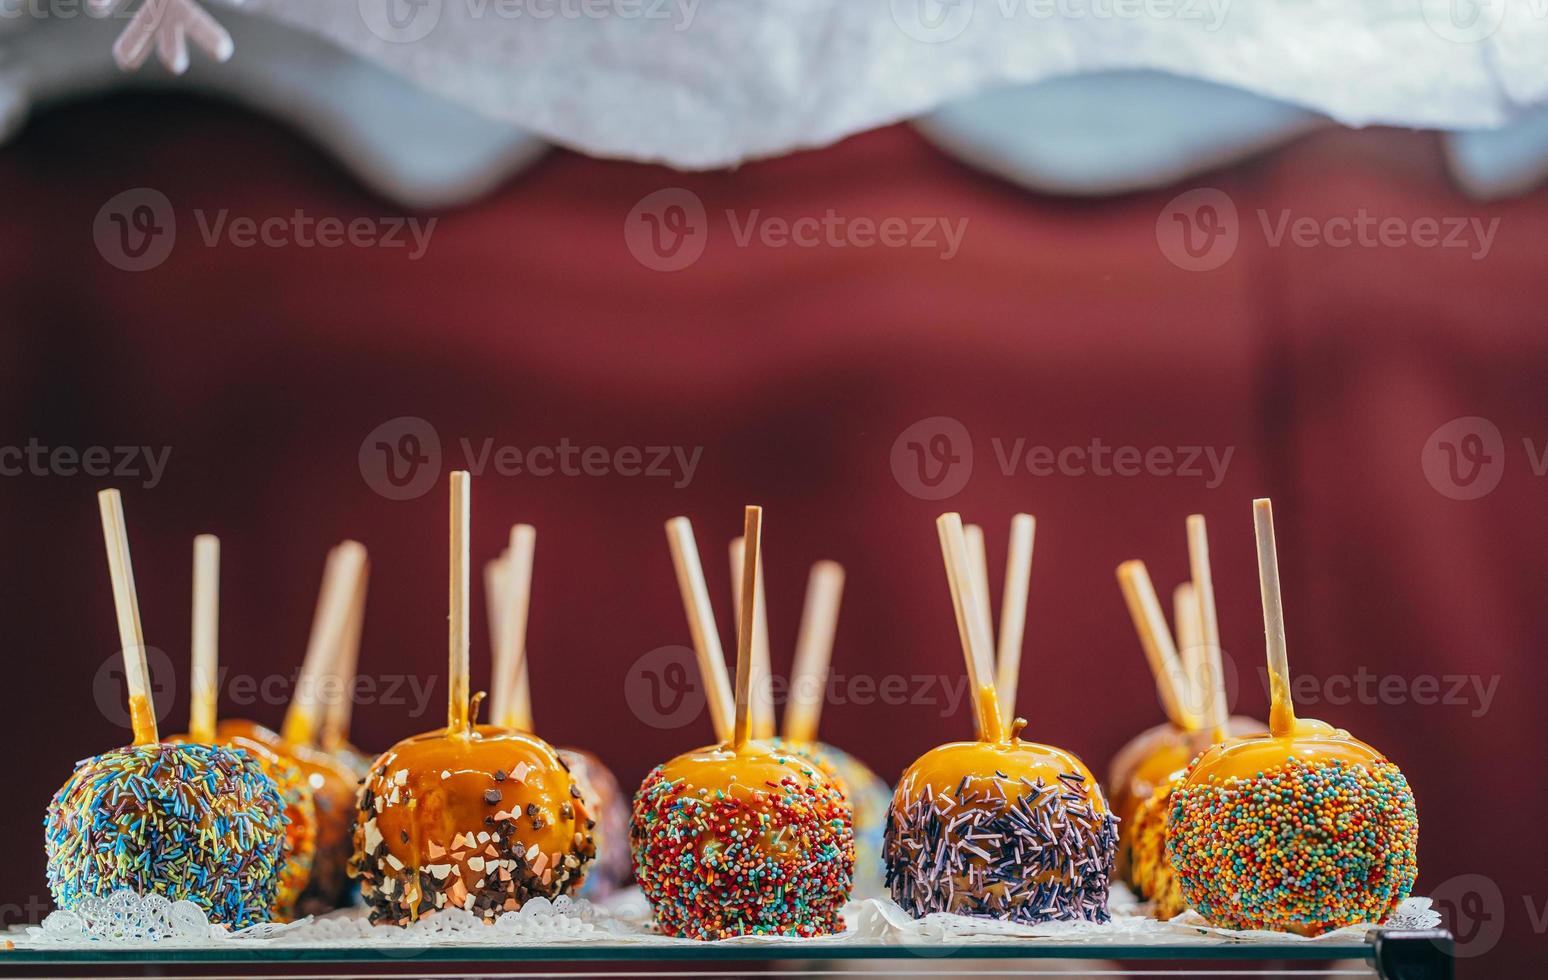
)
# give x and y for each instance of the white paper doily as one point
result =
(128, 919)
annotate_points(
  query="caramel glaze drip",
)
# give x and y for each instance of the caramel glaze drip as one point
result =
(489, 813)
(1312, 742)
(333, 791)
(142, 719)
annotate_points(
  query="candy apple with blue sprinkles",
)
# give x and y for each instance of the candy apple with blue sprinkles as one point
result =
(195, 821)
(997, 827)
(1302, 829)
(740, 838)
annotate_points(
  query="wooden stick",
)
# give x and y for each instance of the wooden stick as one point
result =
(814, 651)
(1149, 622)
(304, 717)
(458, 718)
(340, 709)
(494, 595)
(1013, 609)
(1213, 710)
(1282, 707)
(701, 623)
(126, 603)
(762, 665)
(206, 639)
(971, 627)
(978, 564)
(1190, 647)
(752, 530)
(515, 605)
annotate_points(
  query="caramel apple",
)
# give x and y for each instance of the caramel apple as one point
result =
(1302, 829)
(996, 827)
(194, 822)
(739, 838)
(473, 818)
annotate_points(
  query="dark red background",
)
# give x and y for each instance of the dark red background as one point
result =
(528, 321)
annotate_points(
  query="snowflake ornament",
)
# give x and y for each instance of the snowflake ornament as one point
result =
(168, 26)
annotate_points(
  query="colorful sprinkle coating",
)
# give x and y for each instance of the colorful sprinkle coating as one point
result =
(771, 860)
(196, 822)
(1301, 848)
(868, 795)
(612, 868)
(295, 868)
(1152, 872)
(1016, 849)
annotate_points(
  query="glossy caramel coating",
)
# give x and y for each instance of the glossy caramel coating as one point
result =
(333, 793)
(951, 767)
(1313, 742)
(482, 821)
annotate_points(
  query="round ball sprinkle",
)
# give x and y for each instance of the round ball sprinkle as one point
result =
(868, 796)
(1300, 847)
(752, 843)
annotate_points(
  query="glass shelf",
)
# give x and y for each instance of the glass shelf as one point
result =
(1425, 955)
